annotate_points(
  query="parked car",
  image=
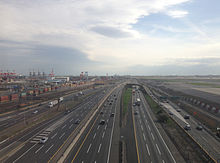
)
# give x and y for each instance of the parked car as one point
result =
(112, 115)
(178, 110)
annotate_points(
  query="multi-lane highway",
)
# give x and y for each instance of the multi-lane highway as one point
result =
(150, 144)
(95, 144)
(57, 132)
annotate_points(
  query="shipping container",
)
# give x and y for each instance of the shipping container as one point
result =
(14, 97)
(23, 95)
(4, 98)
(30, 92)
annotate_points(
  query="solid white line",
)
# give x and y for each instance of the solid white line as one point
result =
(149, 127)
(71, 120)
(107, 120)
(103, 134)
(99, 147)
(53, 136)
(24, 153)
(152, 136)
(158, 149)
(144, 137)
(64, 126)
(147, 149)
(62, 135)
(88, 148)
(98, 127)
(142, 128)
(49, 148)
(70, 126)
(163, 161)
(105, 127)
(39, 149)
(94, 136)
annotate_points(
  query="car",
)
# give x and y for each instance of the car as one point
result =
(43, 140)
(135, 113)
(115, 98)
(102, 122)
(186, 117)
(101, 112)
(110, 103)
(178, 110)
(187, 127)
(170, 113)
(77, 121)
(35, 112)
(134, 104)
(112, 115)
(67, 112)
(40, 104)
(199, 127)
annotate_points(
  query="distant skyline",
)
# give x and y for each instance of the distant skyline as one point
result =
(126, 37)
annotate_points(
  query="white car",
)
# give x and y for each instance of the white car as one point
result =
(35, 112)
(43, 140)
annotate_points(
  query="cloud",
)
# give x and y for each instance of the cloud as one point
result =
(111, 32)
(177, 13)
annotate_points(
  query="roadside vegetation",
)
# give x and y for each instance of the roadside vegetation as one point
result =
(126, 99)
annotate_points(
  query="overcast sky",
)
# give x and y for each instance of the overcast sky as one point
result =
(136, 37)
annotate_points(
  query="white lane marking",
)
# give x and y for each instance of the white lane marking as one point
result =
(146, 121)
(94, 136)
(142, 128)
(39, 149)
(103, 134)
(107, 120)
(152, 136)
(144, 137)
(62, 135)
(105, 127)
(88, 148)
(71, 120)
(24, 153)
(159, 133)
(147, 149)
(163, 161)
(99, 147)
(53, 136)
(49, 148)
(70, 126)
(158, 149)
(140, 122)
(64, 126)
(144, 115)
(98, 127)
(149, 127)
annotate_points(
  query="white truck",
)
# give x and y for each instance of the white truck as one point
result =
(60, 99)
(138, 102)
(53, 103)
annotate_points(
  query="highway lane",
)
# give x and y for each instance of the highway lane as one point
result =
(94, 145)
(207, 141)
(152, 147)
(22, 138)
(41, 152)
(10, 120)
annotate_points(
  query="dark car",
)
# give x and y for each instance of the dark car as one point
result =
(77, 121)
(67, 112)
(170, 113)
(112, 115)
(110, 103)
(178, 110)
(186, 117)
(199, 127)
(135, 113)
(102, 122)
(101, 112)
